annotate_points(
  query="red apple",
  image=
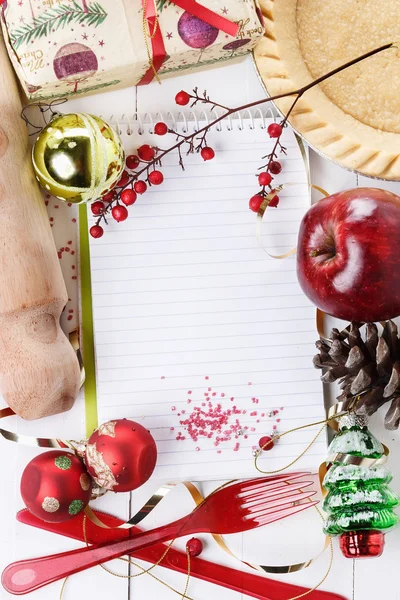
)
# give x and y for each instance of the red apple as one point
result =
(348, 256)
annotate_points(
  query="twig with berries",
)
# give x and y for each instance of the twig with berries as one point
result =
(143, 169)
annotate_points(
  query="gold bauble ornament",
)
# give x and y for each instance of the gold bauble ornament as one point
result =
(78, 157)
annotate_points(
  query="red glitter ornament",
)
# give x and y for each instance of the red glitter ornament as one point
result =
(55, 486)
(121, 455)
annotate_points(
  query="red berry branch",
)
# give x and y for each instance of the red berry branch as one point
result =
(142, 169)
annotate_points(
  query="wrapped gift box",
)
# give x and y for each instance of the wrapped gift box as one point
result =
(67, 47)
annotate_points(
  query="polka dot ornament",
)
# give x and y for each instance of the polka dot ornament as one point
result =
(55, 486)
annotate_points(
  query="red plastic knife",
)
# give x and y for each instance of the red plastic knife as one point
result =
(257, 586)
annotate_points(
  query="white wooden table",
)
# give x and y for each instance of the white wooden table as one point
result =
(366, 580)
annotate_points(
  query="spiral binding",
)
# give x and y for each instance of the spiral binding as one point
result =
(142, 123)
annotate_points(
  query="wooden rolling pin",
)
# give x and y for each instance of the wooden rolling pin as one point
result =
(39, 371)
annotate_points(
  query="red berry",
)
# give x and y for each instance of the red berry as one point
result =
(119, 213)
(182, 98)
(128, 197)
(207, 153)
(266, 443)
(156, 177)
(275, 167)
(96, 231)
(132, 161)
(160, 128)
(274, 130)
(194, 546)
(109, 197)
(146, 152)
(97, 207)
(140, 187)
(255, 202)
(274, 201)
(264, 178)
(124, 179)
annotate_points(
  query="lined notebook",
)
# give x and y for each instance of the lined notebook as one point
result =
(199, 335)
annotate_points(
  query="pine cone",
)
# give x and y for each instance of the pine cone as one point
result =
(367, 368)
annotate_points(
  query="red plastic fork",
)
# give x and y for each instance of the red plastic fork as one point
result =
(232, 509)
(250, 584)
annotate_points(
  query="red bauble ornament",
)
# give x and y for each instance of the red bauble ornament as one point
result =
(274, 130)
(121, 455)
(119, 213)
(362, 544)
(124, 179)
(160, 128)
(146, 152)
(264, 178)
(194, 546)
(275, 167)
(128, 197)
(266, 442)
(132, 161)
(96, 231)
(140, 187)
(156, 177)
(97, 207)
(207, 153)
(182, 98)
(255, 202)
(55, 486)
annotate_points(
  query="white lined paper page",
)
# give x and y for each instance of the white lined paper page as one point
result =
(190, 312)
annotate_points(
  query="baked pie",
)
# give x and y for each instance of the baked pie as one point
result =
(353, 117)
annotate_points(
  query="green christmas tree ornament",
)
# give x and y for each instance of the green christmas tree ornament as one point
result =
(359, 503)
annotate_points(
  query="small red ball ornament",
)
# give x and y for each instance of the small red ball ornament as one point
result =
(132, 161)
(182, 98)
(275, 167)
(266, 443)
(207, 153)
(194, 546)
(55, 486)
(255, 202)
(160, 128)
(146, 152)
(97, 207)
(274, 130)
(119, 213)
(96, 231)
(128, 197)
(121, 455)
(140, 187)
(156, 177)
(264, 178)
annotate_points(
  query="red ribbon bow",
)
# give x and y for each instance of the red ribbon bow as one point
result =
(154, 32)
